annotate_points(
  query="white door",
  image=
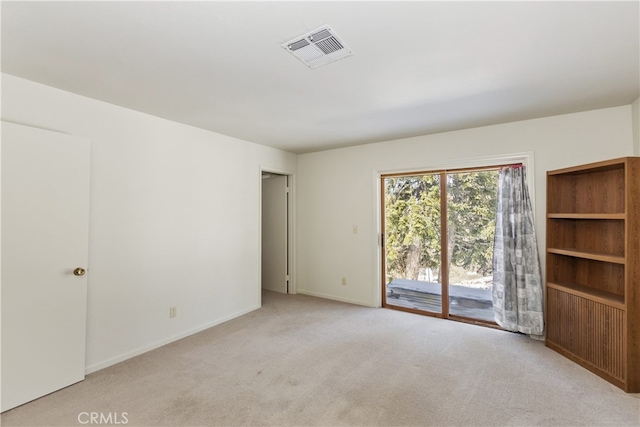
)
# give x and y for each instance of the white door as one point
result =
(45, 236)
(274, 233)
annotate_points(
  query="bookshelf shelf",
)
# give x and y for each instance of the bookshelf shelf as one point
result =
(588, 255)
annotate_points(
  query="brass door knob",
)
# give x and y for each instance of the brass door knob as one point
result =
(79, 271)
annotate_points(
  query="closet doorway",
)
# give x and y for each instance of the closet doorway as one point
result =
(437, 242)
(276, 227)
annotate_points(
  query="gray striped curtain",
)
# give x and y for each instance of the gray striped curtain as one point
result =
(517, 278)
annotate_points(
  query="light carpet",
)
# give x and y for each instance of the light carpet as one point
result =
(306, 361)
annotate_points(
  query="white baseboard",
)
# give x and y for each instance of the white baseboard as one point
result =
(336, 298)
(101, 365)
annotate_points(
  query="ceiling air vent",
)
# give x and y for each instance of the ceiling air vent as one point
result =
(319, 47)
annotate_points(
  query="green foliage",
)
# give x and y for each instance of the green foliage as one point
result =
(471, 213)
(412, 222)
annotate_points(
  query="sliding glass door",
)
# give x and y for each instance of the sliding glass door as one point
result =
(438, 230)
(471, 217)
(412, 244)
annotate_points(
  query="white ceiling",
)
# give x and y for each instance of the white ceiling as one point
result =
(418, 67)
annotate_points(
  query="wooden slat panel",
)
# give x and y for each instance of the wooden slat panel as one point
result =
(591, 331)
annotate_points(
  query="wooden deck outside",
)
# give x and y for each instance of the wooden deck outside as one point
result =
(426, 296)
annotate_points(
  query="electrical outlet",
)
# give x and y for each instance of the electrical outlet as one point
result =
(173, 312)
(344, 281)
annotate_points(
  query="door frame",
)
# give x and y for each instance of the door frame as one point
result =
(292, 288)
(444, 266)
(526, 158)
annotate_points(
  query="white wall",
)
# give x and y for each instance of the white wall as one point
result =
(174, 219)
(336, 188)
(175, 209)
(635, 113)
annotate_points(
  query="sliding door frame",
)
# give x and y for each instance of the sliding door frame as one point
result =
(444, 309)
(472, 165)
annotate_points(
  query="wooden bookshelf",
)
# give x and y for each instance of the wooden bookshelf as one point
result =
(593, 268)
